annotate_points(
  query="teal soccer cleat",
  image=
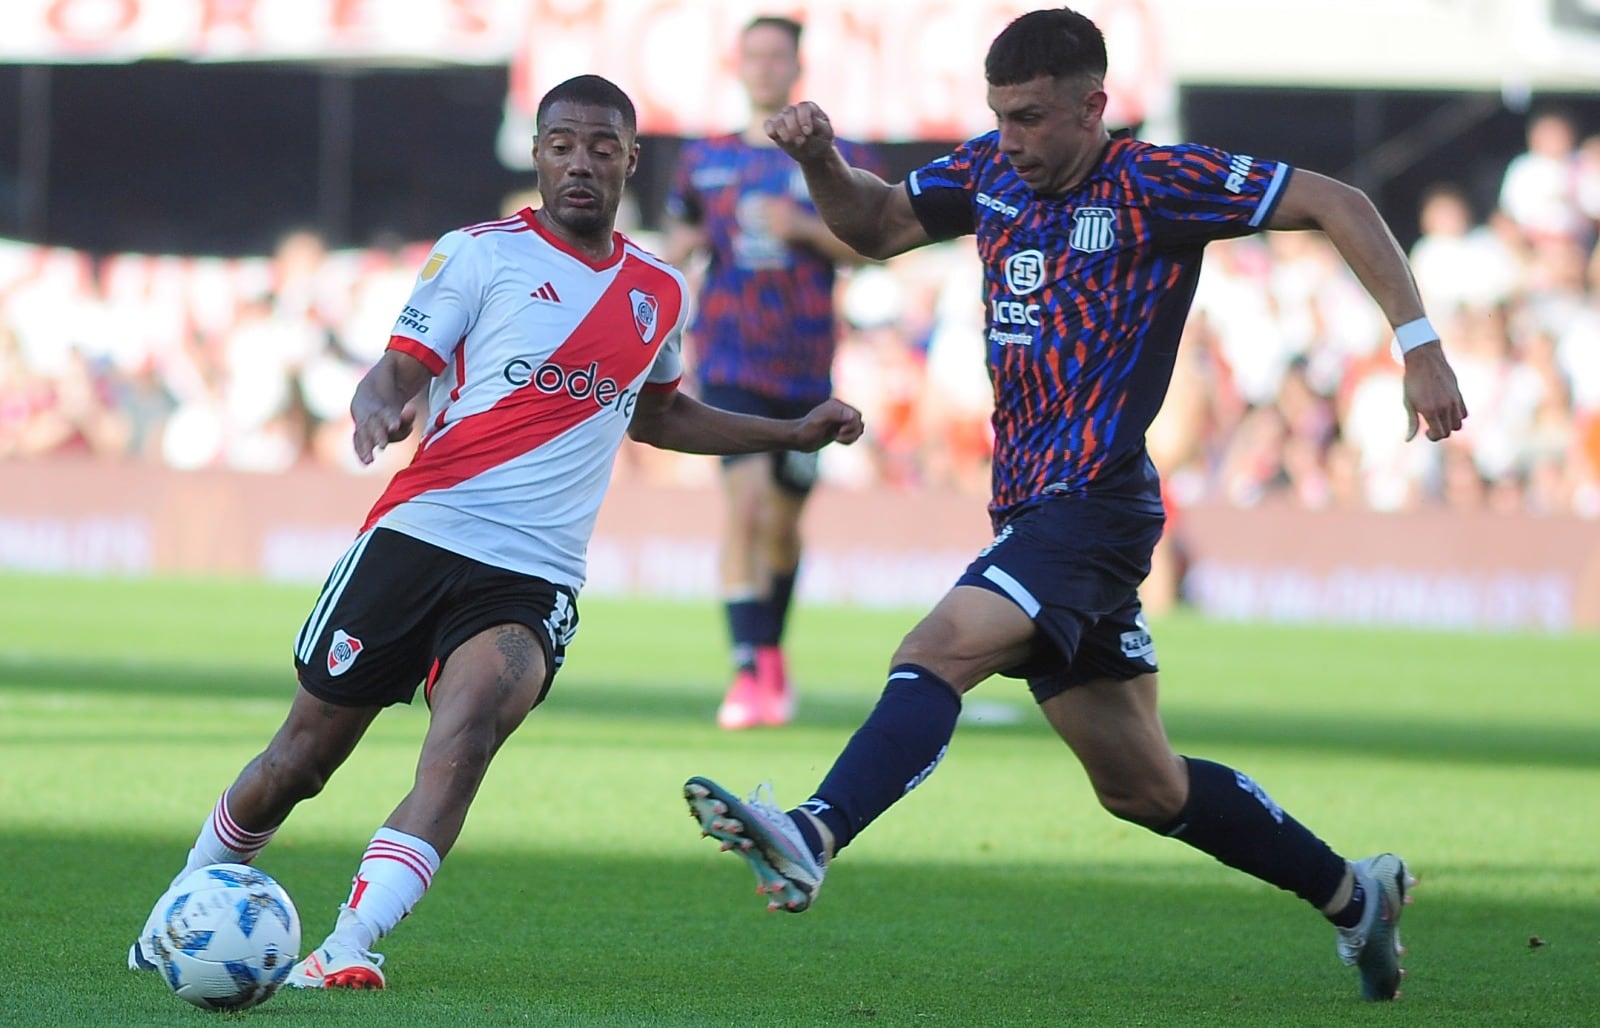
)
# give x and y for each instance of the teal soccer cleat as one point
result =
(764, 836)
(1373, 945)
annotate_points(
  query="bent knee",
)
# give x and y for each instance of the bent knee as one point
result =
(294, 775)
(911, 652)
(934, 644)
(1150, 806)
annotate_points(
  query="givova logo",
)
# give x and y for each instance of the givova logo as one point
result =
(1005, 533)
(1251, 786)
(997, 205)
(1137, 644)
(1238, 172)
(922, 776)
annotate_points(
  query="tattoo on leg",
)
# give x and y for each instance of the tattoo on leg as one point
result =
(516, 648)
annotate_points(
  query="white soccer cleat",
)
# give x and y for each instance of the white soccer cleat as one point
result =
(338, 965)
(764, 836)
(1373, 945)
(139, 958)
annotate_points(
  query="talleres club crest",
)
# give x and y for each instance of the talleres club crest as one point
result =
(645, 309)
(1093, 229)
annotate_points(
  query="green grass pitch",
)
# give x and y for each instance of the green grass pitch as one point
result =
(997, 894)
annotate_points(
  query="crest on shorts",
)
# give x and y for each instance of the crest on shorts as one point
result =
(342, 652)
(644, 313)
(1137, 644)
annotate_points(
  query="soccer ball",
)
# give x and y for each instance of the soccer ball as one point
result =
(228, 938)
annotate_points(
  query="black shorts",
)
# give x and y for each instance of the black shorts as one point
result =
(794, 471)
(394, 609)
(1074, 565)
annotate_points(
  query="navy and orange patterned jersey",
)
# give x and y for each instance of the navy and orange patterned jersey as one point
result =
(1086, 295)
(765, 318)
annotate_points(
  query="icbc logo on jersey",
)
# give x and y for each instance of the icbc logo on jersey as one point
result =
(1024, 272)
(343, 652)
(644, 313)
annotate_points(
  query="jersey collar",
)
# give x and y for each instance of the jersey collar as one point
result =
(556, 241)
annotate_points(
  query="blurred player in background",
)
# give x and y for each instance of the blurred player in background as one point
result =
(1091, 245)
(763, 343)
(541, 338)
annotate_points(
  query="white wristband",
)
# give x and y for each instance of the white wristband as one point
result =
(1414, 334)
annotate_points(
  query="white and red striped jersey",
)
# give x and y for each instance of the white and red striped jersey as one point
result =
(540, 354)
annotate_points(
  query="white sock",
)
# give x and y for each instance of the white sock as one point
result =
(222, 841)
(395, 872)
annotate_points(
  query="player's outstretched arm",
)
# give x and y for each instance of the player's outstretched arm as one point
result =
(383, 405)
(866, 213)
(682, 240)
(674, 421)
(1356, 229)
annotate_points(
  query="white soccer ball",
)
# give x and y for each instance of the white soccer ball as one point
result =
(228, 938)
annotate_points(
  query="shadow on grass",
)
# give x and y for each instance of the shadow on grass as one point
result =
(562, 938)
(1439, 741)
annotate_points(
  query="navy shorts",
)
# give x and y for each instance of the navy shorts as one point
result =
(1074, 565)
(795, 472)
(395, 608)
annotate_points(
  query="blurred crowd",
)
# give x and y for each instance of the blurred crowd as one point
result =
(1286, 386)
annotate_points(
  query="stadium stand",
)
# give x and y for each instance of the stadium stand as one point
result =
(1285, 386)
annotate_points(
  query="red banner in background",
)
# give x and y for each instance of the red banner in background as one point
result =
(895, 70)
(880, 548)
(412, 31)
(891, 71)
(1437, 569)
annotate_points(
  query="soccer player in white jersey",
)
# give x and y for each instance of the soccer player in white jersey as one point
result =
(541, 339)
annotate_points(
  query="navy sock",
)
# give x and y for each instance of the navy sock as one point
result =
(809, 835)
(1350, 914)
(898, 746)
(778, 606)
(1232, 818)
(746, 624)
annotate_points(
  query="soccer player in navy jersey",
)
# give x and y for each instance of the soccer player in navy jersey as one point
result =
(1091, 245)
(763, 343)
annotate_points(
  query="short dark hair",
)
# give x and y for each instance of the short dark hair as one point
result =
(1451, 190)
(594, 91)
(1059, 43)
(776, 21)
